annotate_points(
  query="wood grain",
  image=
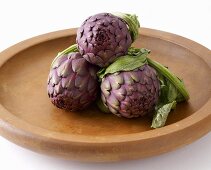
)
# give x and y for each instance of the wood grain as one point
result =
(28, 119)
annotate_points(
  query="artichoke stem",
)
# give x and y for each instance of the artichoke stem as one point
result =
(132, 22)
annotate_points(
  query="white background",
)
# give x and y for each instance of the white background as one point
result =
(23, 19)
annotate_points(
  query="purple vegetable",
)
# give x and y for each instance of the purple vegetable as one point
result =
(103, 37)
(131, 93)
(72, 82)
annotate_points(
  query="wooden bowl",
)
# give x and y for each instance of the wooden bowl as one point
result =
(28, 118)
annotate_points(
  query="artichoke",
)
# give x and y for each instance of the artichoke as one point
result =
(131, 93)
(103, 37)
(135, 85)
(72, 82)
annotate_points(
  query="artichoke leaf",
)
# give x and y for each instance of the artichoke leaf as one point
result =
(162, 113)
(169, 96)
(129, 62)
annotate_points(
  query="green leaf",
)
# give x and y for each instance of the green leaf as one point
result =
(101, 73)
(172, 91)
(163, 89)
(125, 63)
(180, 97)
(137, 51)
(161, 115)
(169, 95)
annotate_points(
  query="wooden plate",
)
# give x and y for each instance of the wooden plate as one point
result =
(28, 118)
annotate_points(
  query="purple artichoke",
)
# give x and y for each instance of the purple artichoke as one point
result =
(72, 82)
(131, 93)
(103, 37)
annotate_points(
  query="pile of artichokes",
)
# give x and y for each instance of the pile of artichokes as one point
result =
(104, 69)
